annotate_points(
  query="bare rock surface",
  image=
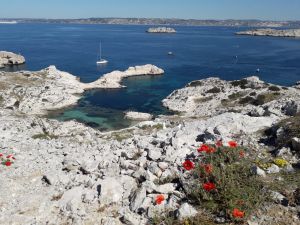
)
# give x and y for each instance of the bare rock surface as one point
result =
(10, 58)
(272, 32)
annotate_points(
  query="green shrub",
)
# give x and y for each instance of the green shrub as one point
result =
(235, 185)
(265, 98)
(241, 83)
(201, 218)
(203, 99)
(214, 90)
(44, 136)
(291, 128)
(246, 100)
(274, 88)
(196, 83)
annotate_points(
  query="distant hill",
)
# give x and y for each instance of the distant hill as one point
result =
(157, 21)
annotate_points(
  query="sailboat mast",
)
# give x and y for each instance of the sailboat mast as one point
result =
(100, 50)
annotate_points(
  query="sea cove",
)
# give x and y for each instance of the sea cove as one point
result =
(199, 52)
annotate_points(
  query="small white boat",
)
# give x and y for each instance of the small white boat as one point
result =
(170, 53)
(101, 61)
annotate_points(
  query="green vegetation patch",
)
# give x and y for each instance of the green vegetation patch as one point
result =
(291, 129)
(265, 98)
(44, 136)
(203, 99)
(274, 88)
(239, 83)
(196, 83)
(214, 90)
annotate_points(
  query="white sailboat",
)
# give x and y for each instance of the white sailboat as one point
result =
(101, 61)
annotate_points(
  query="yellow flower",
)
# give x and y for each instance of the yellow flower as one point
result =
(264, 165)
(186, 222)
(281, 162)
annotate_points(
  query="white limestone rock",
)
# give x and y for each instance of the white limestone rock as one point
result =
(138, 116)
(258, 171)
(111, 190)
(137, 199)
(273, 169)
(186, 211)
(296, 144)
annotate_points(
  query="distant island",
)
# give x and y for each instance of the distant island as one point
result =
(161, 21)
(8, 22)
(161, 30)
(272, 32)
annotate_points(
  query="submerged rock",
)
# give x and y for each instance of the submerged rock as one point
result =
(138, 116)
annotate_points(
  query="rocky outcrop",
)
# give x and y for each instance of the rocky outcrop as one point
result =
(249, 96)
(161, 30)
(49, 89)
(113, 79)
(138, 116)
(272, 32)
(9, 58)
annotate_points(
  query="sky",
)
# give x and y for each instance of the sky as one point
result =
(185, 9)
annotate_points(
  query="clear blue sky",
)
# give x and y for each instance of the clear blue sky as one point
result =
(195, 9)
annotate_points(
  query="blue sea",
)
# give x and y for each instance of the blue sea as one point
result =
(199, 52)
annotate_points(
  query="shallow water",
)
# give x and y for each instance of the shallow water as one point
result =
(199, 52)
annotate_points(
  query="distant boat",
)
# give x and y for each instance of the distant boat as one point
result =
(170, 53)
(101, 61)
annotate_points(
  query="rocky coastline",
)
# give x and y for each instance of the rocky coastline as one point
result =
(161, 30)
(68, 173)
(272, 32)
(50, 89)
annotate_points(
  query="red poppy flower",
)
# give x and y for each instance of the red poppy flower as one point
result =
(232, 144)
(208, 168)
(209, 186)
(1, 154)
(242, 154)
(159, 199)
(188, 165)
(206, 148)
(238, 213)
(219, 143)
(211, 150)
(203, 148)
(7, 163)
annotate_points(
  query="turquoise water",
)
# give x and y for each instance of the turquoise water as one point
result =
(199, 52)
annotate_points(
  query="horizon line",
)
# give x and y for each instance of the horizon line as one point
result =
(86, 18)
